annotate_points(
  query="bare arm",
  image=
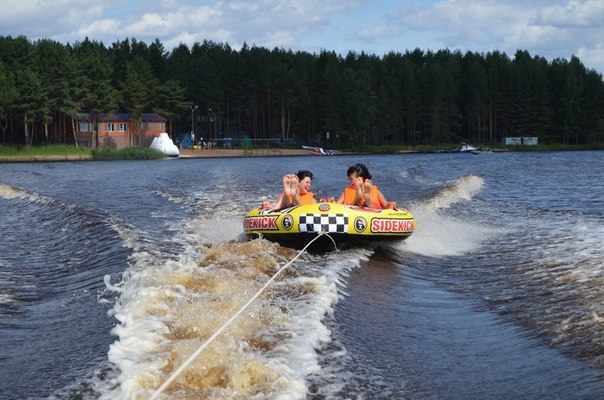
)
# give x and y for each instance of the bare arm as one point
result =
(279, 203)
(367, 186)
(383, 202)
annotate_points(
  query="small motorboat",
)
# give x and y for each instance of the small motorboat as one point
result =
(318, 150)
(346, 225)
(165, 145)
(465, 148)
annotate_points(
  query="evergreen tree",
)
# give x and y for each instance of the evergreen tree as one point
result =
(8, 97)
(412, 98)
(169, 101)
(97, 95)
(56, 68)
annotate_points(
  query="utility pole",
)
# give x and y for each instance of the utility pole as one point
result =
(193, 123)
(214, 121)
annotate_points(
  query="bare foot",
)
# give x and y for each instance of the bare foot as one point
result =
(287, 184)
(294, 184)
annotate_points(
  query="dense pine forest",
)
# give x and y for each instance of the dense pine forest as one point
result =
(411, 98)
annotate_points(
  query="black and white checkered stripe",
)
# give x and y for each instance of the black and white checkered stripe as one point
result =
(335, 223)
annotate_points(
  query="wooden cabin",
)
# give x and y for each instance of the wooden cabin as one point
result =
(118, 130)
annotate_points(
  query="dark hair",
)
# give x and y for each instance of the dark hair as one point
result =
(360, 169)
(304, 173)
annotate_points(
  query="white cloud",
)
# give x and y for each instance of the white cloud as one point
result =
(280, 39)
(183, 38)
(465, 23)
(573, 13)
(593, 57)
(37, 19)
(547, 28)
(103, 27)
(149, 23)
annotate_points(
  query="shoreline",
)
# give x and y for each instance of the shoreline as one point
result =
(190, 153)
(213, 153)
(48, 158)
(184, 154)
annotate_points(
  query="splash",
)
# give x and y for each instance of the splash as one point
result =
(438, 234)
(462, 189)
(11, 192)
(171, 303)
(167, 309)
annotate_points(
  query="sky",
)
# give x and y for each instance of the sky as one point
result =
(546, 28)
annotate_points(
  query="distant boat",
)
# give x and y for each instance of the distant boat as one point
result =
(318, 150)
(165, 145)
(465, 148)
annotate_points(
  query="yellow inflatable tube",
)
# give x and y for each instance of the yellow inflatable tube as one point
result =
(300, 224)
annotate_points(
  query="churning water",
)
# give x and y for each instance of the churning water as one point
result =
(113, 273)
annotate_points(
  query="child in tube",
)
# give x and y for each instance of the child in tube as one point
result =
(362, 192)
(296, 191)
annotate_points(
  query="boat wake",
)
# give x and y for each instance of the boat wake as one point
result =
(170, 304)
(178, 291)
(441, 233)
(462, 189)
(11, 192)
(50, 273)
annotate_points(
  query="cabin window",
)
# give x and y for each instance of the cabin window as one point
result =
(110, 127)
(84, 127)
(150, 126)
(121, 127)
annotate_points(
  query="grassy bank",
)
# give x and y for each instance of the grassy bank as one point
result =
(70, 153)
(129, 153)
(38, 151)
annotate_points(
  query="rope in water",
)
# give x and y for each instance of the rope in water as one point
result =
(201, 348)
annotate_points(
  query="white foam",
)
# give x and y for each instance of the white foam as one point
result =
(577, 246)
(213, 228)
(6, 298)
(462, 189)
(168, 308)
(170, 304)
(11, 192)
(437, 234)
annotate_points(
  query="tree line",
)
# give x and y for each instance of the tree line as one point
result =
(411, 98)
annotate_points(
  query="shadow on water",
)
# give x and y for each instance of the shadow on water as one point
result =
(425, 341)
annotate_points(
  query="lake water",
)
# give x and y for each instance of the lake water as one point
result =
(113, 273)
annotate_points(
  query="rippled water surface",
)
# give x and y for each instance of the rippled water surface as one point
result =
(113, 273)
